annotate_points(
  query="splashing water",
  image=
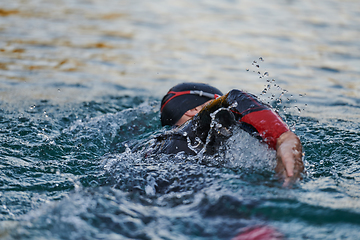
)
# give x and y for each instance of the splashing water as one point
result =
(73, 74)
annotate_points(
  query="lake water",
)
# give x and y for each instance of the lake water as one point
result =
(80, 80)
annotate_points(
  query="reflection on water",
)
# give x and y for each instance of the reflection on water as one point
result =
(308, 46)
(80, 79)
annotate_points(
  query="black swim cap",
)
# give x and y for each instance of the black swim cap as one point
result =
(183, 97)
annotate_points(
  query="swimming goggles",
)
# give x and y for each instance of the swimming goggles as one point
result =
(192, 92)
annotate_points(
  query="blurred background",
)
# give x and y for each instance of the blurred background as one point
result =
(87, 49)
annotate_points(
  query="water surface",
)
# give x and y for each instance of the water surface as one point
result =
(81, 81)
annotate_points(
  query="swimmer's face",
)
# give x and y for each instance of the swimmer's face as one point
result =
(190, 113)
(198, 108)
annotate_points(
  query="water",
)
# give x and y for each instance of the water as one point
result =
(81, 81)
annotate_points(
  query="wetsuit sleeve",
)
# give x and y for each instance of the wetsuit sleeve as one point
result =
(252, 111)
(269, 125)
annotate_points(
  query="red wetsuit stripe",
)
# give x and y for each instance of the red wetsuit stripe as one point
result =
(269, 125)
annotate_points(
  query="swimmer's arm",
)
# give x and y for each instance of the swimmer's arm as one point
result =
(289, 157)
(271, 128)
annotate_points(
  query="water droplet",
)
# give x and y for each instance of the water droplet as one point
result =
(261, 59)
(266, 74)
(234, 105)
(247, 69)
(257, 66)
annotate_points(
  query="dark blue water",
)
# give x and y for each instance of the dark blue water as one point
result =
(68, 174)
(80, 85)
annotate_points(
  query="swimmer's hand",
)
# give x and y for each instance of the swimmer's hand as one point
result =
(289, 158)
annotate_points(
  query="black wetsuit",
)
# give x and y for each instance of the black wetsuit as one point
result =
(214, 123)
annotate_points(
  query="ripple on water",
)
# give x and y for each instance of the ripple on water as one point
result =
(125, 194)
(73, 72)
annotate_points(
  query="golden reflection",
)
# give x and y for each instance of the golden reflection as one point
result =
(112, 16)
(5, 13)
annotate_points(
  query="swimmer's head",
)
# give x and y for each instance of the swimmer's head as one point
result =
(183, 97)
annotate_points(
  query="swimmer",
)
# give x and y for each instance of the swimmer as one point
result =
(191, 108)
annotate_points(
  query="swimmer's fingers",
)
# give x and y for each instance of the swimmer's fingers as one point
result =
(289, 155)
(297, 171)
